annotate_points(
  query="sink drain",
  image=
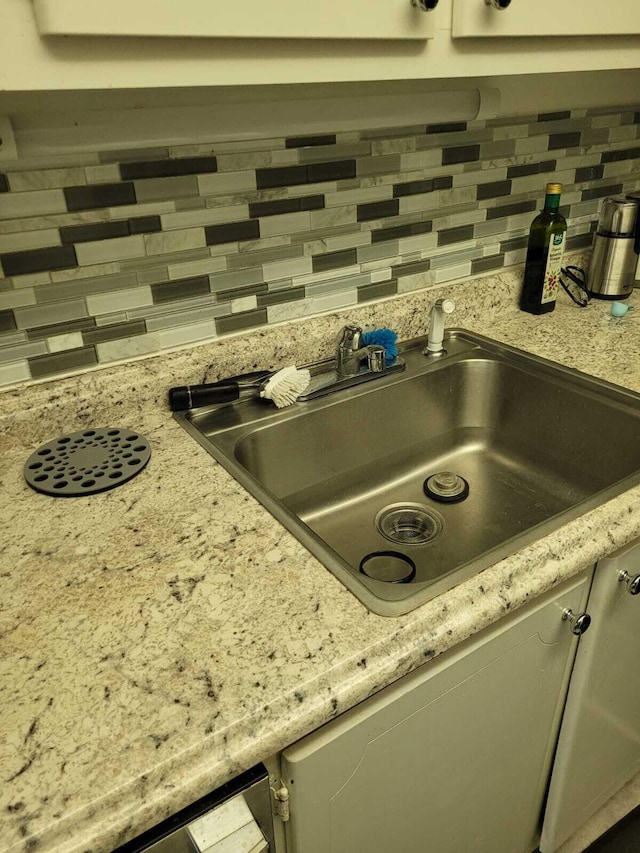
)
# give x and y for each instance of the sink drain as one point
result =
(447, 487)
(409, 524)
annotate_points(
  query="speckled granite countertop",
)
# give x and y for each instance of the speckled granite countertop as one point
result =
(161, 637)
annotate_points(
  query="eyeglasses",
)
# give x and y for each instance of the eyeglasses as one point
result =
(575, 285)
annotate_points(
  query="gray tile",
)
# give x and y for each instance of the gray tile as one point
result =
(113, 332)
(511, 209)
(7, 322)
(63, 328)
(380, 290)
(19, 351)
(410, 268)
(386, 164)
(95, 231)
(498, 149)
(233, 280)
(596, 136)
(44, 315)
(182, 288)
(84, 287)
(337, 285)
(275, 297)
(601, 192)
(378, 210)
(241, 292)
(460, 154)
(493, 190)
(493, 262)
(167, 168)
(396, 232)
(155, 189)
(306, 141)
(333, 260)
(564, 140)
(589, 173)
(513, 244)
(99, 195)
(387, 249)
(244, 320)
(62, 362)
(336, 152)
(455, 235)
(127, 154)
(232, 232)
(38, 260)
(526, 169)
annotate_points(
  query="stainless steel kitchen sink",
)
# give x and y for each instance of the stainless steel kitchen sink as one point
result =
(534, 444)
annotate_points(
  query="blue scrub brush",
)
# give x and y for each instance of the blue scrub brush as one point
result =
(383, 338)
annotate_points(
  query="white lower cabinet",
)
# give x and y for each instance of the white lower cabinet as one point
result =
(454, 757)
(599, 745)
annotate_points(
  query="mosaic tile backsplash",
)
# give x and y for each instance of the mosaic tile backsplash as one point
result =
(116, 255)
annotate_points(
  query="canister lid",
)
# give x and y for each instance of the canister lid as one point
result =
(618, 216)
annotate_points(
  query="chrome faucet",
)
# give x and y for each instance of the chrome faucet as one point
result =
(436, 327)
(351, 355)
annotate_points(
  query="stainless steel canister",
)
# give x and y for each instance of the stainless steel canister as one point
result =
(616, 247)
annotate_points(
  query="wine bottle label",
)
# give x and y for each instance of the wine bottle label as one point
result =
(553, 268)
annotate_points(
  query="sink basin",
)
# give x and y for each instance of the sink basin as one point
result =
(532, 445)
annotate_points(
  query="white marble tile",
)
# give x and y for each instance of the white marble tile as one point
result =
(174, 241)
(287, 268)
(13, 373)
(204, 216)
(36, 203)
(29, 240)
(44, 179)
(58, 343)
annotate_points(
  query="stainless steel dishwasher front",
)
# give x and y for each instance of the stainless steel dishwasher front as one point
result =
(233, 816)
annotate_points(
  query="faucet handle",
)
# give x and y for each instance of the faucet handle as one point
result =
(350, 338)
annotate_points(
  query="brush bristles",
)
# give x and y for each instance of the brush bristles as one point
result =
(285, 386)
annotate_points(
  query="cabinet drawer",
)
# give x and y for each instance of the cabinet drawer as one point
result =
(473, 18)
(322, 19)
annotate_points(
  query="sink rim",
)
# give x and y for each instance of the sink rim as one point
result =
(399, 599)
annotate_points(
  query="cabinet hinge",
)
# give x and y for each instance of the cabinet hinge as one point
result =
(281, 802)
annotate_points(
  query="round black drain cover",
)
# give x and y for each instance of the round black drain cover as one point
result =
(388, 566)
(87, 462)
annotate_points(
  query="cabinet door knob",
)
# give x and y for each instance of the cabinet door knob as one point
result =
(426, 5)
(633, 584)
(579, 624)
(498, 4)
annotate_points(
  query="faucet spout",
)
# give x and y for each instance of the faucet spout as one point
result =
(436, 326)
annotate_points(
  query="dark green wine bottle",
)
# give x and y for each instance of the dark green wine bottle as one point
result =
(547, 238)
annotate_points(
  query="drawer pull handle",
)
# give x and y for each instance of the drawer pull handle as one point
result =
(633, 584)
(426, 5)
(498, 4)
(579, 624)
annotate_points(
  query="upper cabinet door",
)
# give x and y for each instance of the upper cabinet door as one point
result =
(473, 18)
(317, 19)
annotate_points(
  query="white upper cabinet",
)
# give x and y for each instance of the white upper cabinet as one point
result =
(318, 19)
(76, 45)
(473, 18)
